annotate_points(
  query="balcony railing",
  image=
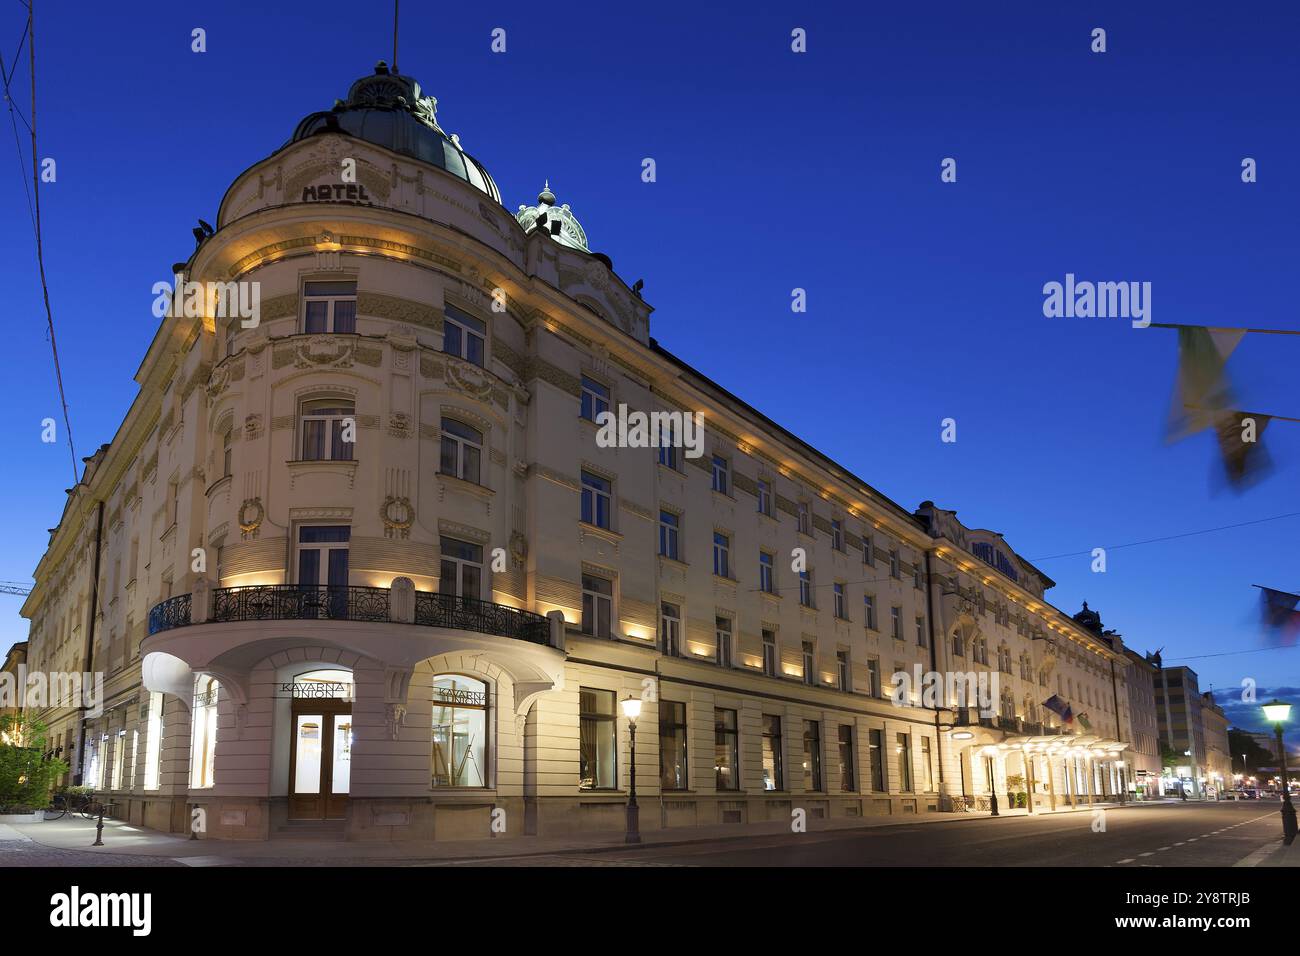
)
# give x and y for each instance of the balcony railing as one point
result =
(470, 614)
(173, 612)
(292, 602)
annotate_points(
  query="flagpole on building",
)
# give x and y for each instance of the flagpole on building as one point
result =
(1223, 328)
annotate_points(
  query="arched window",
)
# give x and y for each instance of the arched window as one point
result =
(460, 728)
(203, 734)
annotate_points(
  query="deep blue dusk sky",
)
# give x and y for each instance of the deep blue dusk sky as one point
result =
(775, 171)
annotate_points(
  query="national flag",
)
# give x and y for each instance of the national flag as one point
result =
(1280, 615)
(1202, 389)
(1084, 722)
(1245, 460)
(1060, 708)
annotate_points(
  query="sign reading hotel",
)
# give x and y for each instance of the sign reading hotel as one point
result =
(338, 192)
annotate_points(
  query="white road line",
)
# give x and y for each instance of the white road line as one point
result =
(1129, 860)
(1146, 854)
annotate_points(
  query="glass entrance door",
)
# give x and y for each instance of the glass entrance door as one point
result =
(320, 765)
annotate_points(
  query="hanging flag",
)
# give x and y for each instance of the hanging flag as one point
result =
(1245, 460)
(1084, 722)
(1281, 619)
(1060, 708)
(1202, 388)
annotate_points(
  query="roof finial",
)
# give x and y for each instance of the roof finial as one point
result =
(546, 196)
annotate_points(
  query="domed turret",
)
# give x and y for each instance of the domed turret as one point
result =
(389, 110)
(558, 221)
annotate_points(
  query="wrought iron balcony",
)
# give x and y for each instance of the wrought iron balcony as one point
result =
(292, 602)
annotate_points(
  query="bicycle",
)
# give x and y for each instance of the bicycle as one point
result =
(64, 803)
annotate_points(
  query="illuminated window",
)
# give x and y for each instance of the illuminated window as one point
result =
(203, 734)
(153, 740)
(329, 307)
(460, 722)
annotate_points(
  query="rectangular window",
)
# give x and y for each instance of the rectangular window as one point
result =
(670, 628)
(873, 676)
(721, 475)
(769, 653)
(766, 575)
(328, 427)
(812, 755)
(667, 446)
(462, 451)
(669, 528)
(153, 741)
(773, 773)
(721, 555)
(869, 608)
(896, 622)
(809, 663)
(805, 523)
(877, 746)
(927, 765)
(226, 452)
(462, 335)
(328, 307)
(597, 605)
(838, 589)
(922, 639)
(597, 729)
(726, 749)
(595, 398)
(848, 779)
(868, 551)
(917, 576)
(323, 556)
(805, 588)
(903, 750)
(672, 745)
(597, 499)
(119, 758)
(722, 636)
(461, 568)
(764, 497)
(844, 670)
(895, 568)
(837, 534)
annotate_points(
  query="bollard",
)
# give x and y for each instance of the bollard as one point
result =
(99, 828)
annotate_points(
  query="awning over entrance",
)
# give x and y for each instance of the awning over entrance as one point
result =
(1064, 745)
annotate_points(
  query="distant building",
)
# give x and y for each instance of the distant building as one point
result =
(11, 687)
(1218, 755)
(1145, 748)
(1178, 710)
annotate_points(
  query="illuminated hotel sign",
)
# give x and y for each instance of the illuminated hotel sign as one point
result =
(338, 192)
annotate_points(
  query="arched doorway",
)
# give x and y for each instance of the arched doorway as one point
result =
(320, 749)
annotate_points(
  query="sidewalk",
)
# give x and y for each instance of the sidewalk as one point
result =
(119, 838)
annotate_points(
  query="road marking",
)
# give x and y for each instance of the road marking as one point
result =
(1191, 839)
(1129, 860)
(1146, 854)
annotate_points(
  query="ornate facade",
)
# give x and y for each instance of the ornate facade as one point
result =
(366, 567)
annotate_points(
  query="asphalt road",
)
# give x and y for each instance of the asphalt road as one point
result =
(1171, 835)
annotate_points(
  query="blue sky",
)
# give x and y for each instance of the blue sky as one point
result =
(775, 171)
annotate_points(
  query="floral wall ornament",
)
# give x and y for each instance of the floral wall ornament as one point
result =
(251, 514)
(316, 351)
(518, 548)
(398, 515)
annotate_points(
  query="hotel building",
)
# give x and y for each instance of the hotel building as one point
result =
(369, 569)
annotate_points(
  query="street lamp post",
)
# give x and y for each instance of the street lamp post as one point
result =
(632, 710)
(1278, 711)
(993, 790)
